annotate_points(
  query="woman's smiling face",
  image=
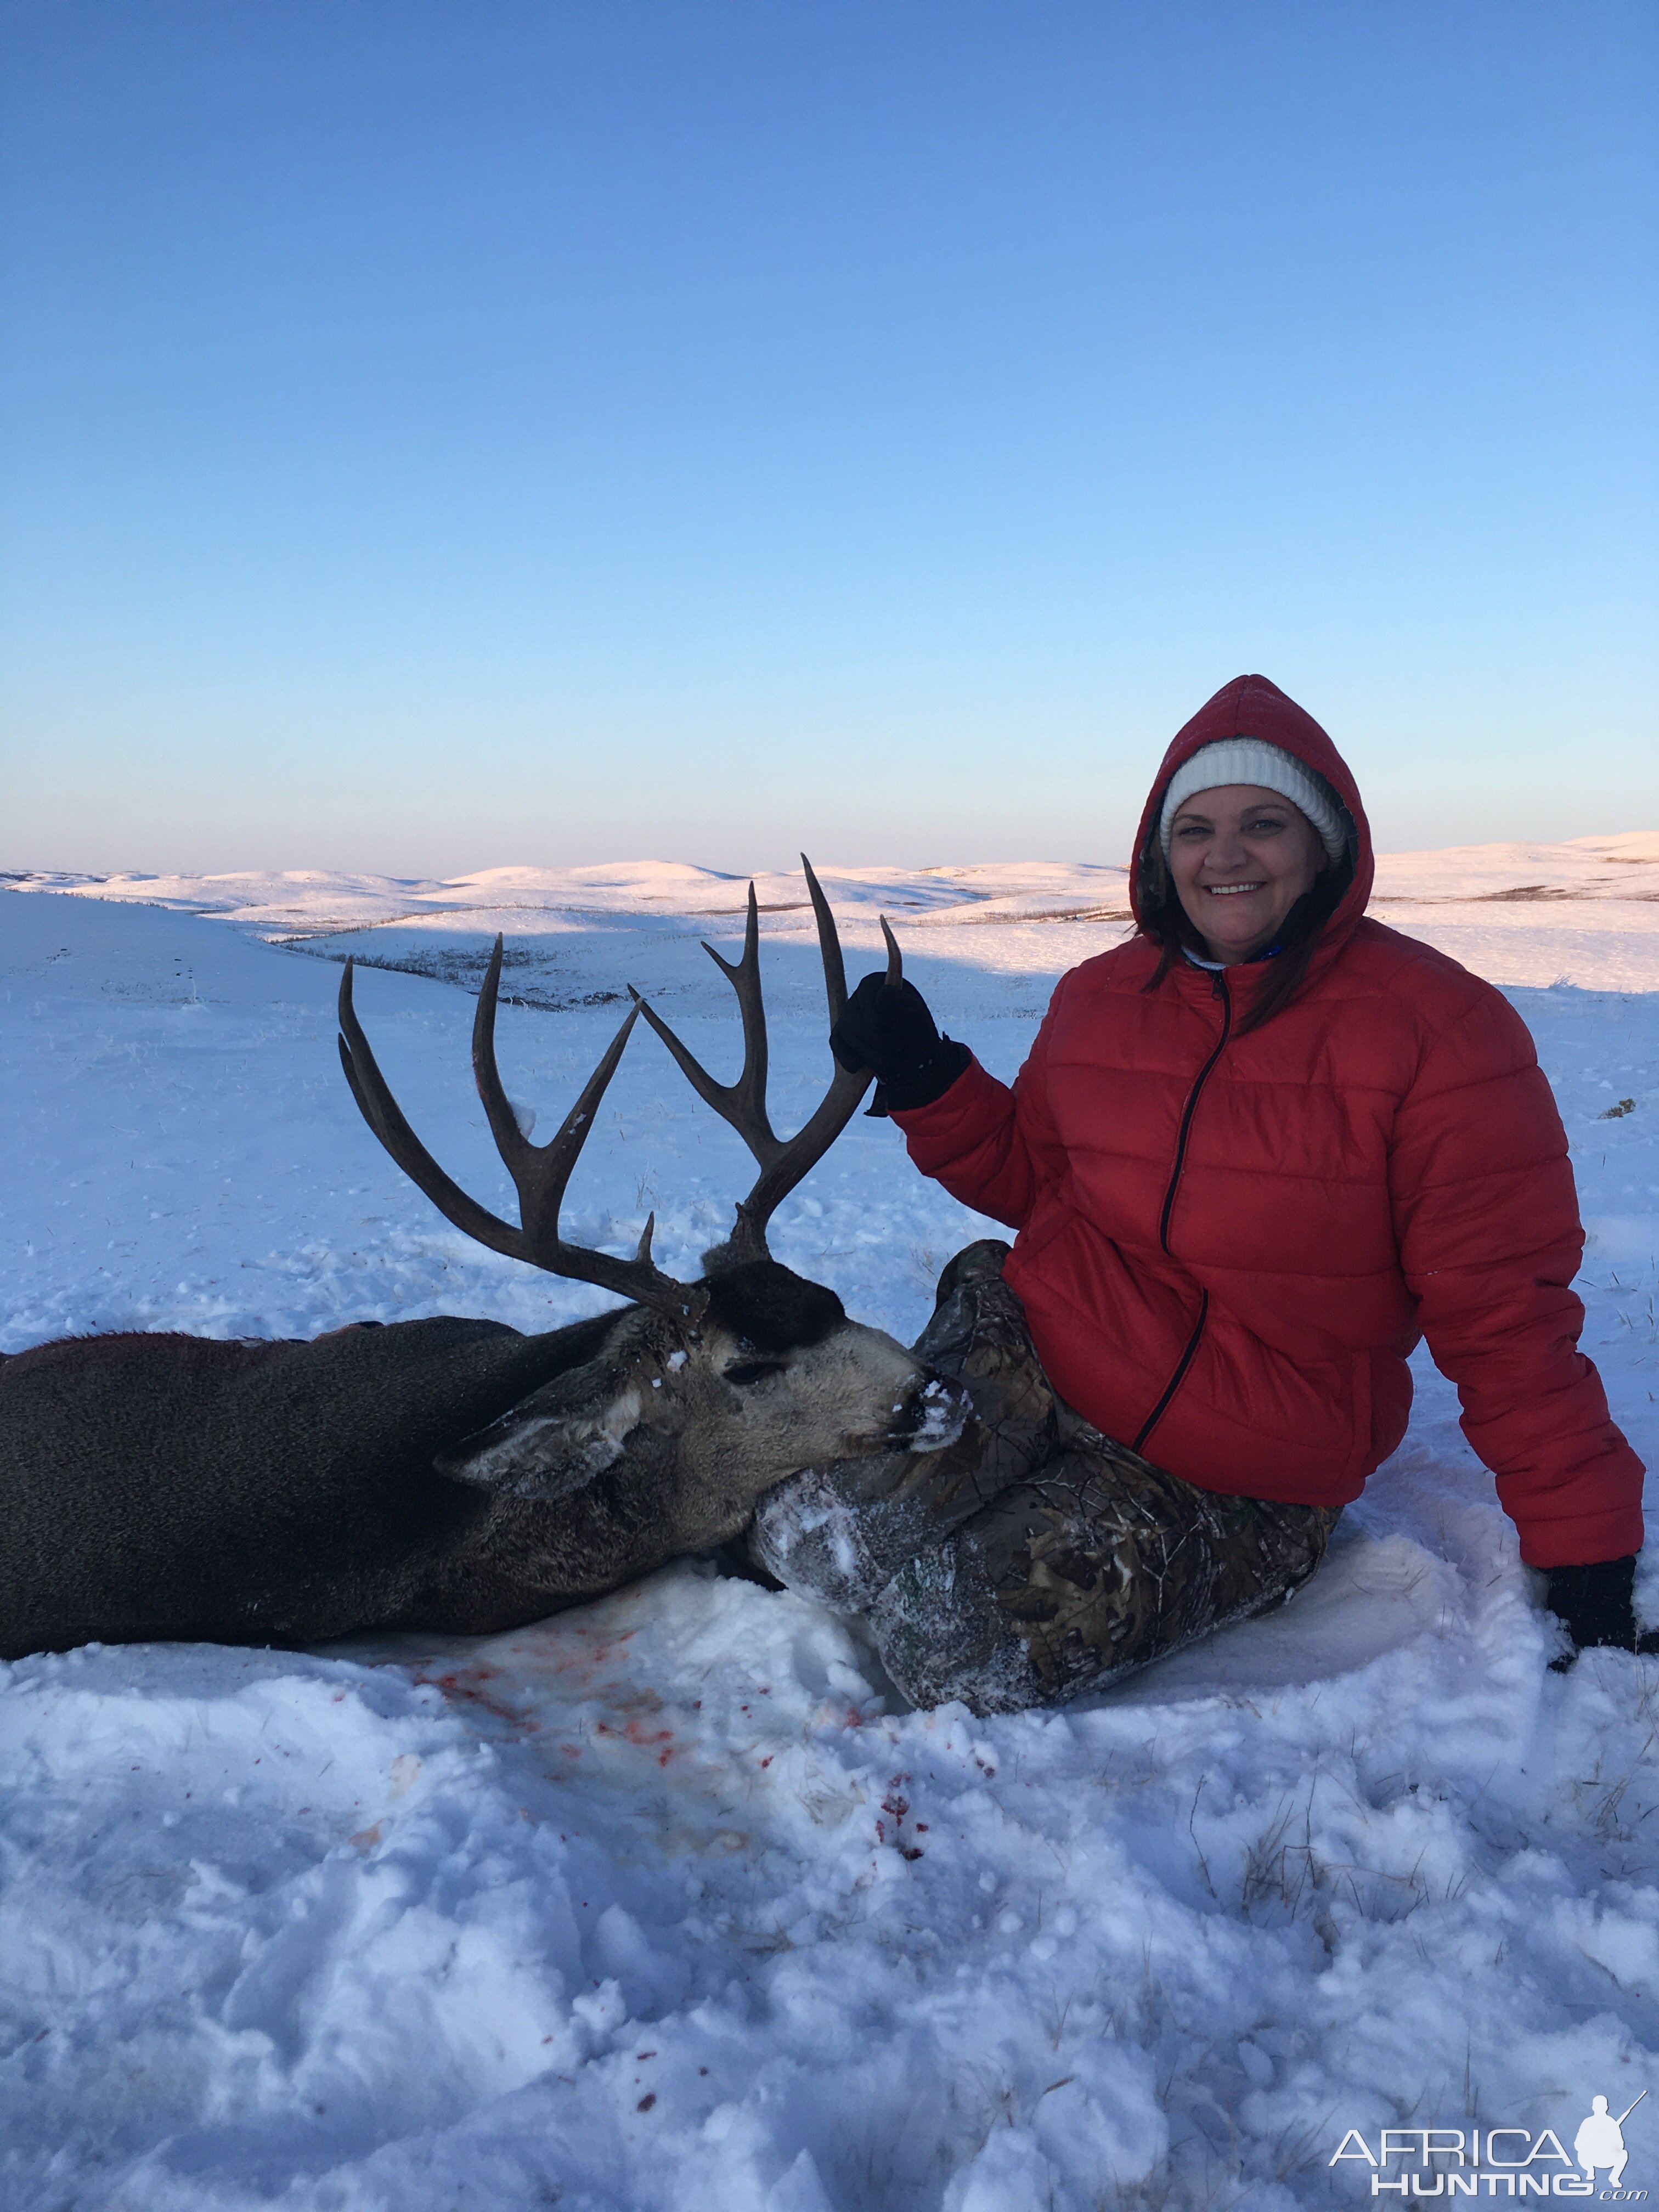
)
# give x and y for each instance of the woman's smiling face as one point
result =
(1241, 858)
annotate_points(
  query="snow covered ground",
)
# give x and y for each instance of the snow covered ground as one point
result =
(671, 1902)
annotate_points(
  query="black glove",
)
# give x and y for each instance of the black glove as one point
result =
(1594, 1606)
(888, 1029)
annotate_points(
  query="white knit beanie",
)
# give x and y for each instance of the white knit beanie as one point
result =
(1253, 760)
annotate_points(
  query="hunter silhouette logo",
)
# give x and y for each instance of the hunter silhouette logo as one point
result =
(1500, 2161)
(1600, 2140)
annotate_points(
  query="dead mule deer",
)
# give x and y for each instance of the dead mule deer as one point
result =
(455, 1474)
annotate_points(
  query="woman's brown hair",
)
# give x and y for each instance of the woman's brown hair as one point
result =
(1169, 926)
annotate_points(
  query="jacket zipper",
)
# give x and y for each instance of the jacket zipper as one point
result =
(1199, 1082)
(1173, 1383)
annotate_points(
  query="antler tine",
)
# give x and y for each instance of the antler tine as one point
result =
(386, 1118)
(834, 967)
(743, 1104)
(539, 1171)
(895, 957)
(796, 1159)
(749, 1091)
(510, 1141)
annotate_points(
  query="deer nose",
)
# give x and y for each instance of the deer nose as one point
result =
(930, 1416)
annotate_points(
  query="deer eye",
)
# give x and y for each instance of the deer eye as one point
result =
(753, 1371)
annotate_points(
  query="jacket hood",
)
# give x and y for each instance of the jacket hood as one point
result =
(1251, 707)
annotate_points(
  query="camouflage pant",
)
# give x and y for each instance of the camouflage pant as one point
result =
(1030, 1558)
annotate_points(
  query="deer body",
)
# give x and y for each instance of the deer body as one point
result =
(450, 1474)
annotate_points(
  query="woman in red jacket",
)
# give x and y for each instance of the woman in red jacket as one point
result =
(1256, 1153)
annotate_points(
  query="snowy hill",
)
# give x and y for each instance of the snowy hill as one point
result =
(670, 1902)
(1480, 902)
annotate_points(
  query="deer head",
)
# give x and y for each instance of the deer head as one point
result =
(700, 1395)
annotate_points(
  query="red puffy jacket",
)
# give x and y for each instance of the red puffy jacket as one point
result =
(1228, 1245)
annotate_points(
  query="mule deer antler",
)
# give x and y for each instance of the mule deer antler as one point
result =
(539, 1171)
(743, 1104)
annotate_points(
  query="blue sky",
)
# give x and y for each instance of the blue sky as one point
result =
(440, 435)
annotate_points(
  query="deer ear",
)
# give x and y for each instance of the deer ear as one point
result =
(555, 1442)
